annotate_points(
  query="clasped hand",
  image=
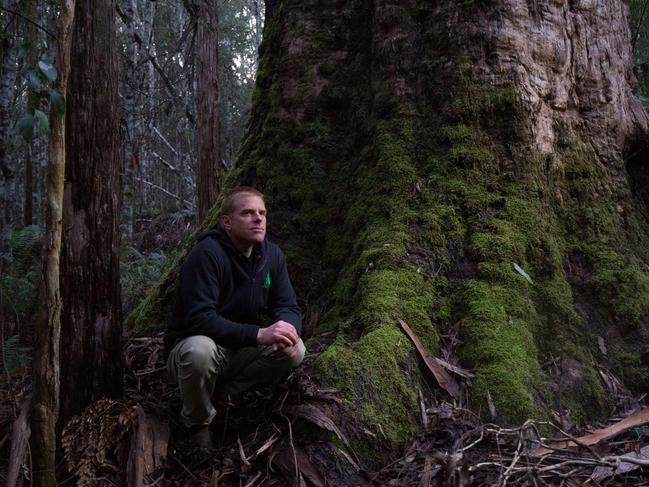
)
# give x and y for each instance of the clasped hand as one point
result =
(281, 335)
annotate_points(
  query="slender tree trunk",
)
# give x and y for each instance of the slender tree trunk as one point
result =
(7, 172)
(132, 112)
(91, 360)
(32, 104)
(208, 146)
(46, 371)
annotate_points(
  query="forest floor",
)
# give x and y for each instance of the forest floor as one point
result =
(291, 434)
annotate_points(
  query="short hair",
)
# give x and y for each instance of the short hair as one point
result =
(227, 206)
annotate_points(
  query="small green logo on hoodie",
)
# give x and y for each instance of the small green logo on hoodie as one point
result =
(266, 284)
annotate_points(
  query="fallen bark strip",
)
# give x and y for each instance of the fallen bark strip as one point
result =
(443, 378)
(19, 440)
(148, 449)
(637, 419)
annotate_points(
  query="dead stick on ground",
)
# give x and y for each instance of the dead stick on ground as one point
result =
(254, 479)
(517, 455)
(290, 439)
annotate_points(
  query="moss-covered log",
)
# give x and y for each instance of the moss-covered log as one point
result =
(415, 154)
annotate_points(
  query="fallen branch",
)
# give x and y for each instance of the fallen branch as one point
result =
(637, 419)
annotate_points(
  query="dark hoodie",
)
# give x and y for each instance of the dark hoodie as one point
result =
(221, 292)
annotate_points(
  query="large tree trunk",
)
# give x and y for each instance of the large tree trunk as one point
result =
(415, 156)
(208, 145)
(91, 362)
(46, 370)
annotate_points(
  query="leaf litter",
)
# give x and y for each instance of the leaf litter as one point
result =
(297, 434)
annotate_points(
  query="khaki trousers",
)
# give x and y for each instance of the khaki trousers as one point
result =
(199, 366)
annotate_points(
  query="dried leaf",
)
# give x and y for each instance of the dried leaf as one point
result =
(637, 419)
(266, 445)
(317, 416)
(285, 461)
(443, 378)
(520, 270)
(455, 369)
(246, 464)
(346, 456)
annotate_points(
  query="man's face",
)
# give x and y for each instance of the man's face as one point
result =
(246, 225)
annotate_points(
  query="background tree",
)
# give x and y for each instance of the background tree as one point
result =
(208, 140)
(7, 80)
(46, 371)
(91, 365)
(467, 167)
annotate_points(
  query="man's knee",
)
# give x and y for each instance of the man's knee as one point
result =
(285, 361)
(299, 357)
(199, 354)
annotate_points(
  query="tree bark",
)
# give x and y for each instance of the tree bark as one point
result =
(7, 172)
(208, 145)
(46, 371)
(91, 360)
(468, 166)
(32, 104)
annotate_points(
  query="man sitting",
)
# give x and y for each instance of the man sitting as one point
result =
(215, 339)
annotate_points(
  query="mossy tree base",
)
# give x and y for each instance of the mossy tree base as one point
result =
(411, 175)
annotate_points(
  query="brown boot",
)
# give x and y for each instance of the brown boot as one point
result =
(201, 436)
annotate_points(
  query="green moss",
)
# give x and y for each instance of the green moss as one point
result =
(500, 347)
(620, 280)
(375, 377)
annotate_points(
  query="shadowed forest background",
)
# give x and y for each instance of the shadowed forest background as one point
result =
(461, 191)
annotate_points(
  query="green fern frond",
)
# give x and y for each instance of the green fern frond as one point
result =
(14, 355)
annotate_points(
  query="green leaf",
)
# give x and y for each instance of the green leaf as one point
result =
(24, 50)
(57, 101)
(47, 69)
(43, 123)
(35, 80)
(9, 147)
(26, 127)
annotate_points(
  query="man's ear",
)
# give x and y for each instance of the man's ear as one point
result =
(225, 221)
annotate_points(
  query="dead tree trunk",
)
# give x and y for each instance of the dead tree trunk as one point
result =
(91, 324)
(208, 144)
(46, 376)
(468, 166)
